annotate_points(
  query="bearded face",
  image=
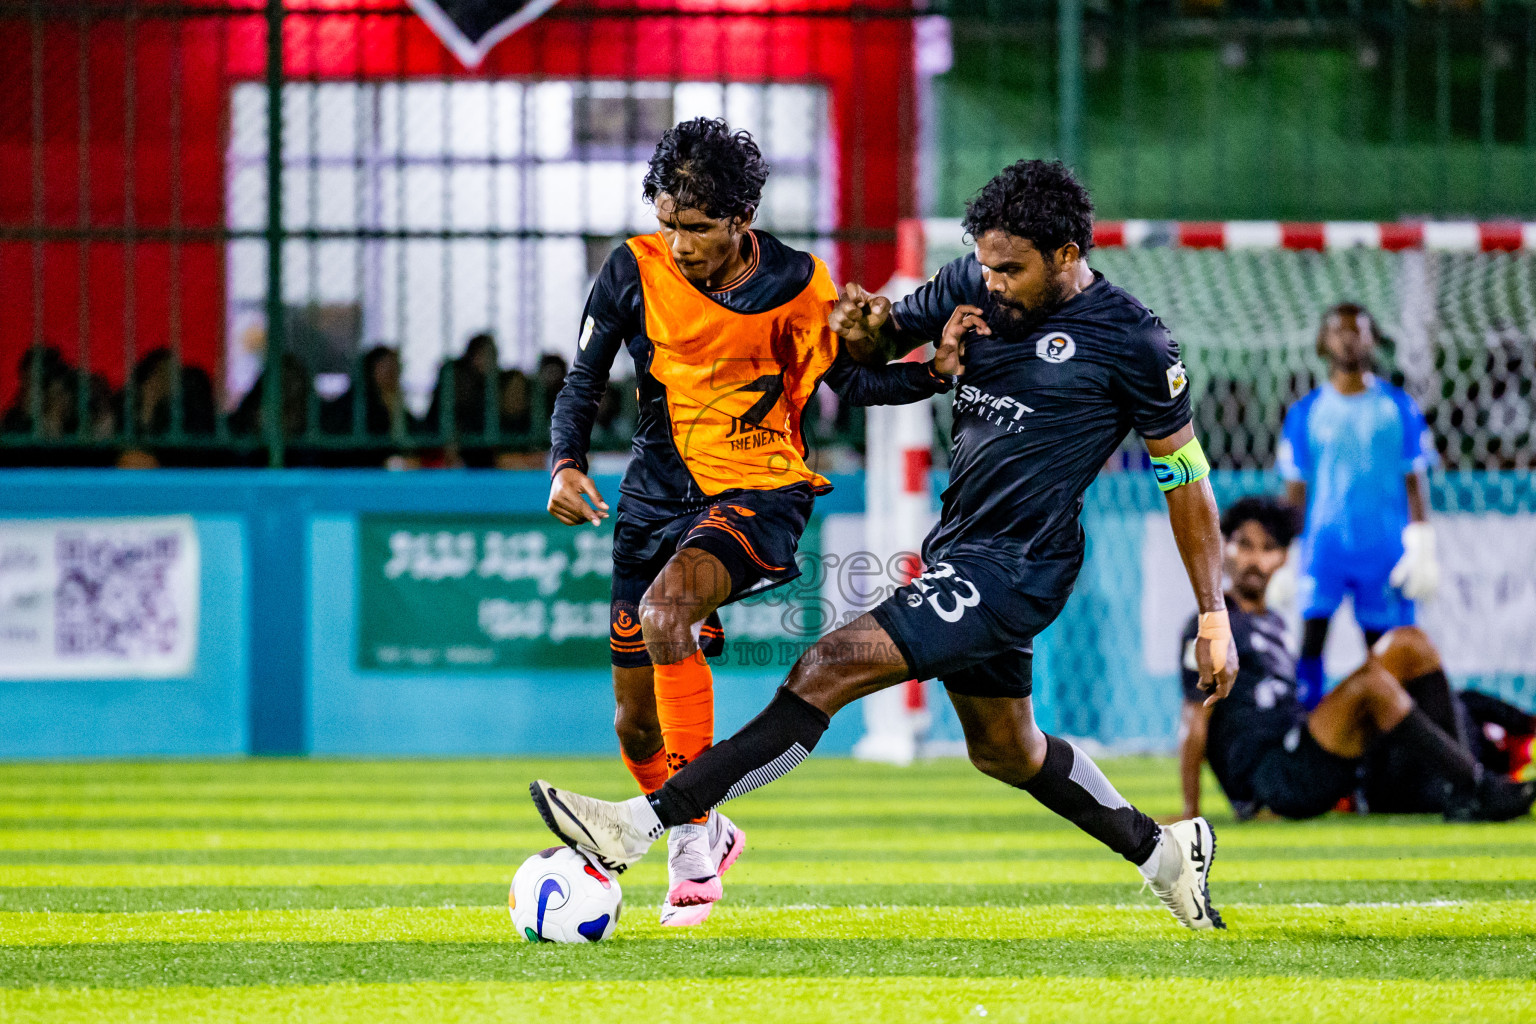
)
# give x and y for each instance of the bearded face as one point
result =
(1013, 320)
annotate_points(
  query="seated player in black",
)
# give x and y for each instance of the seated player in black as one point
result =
(1263, 746)
(1394, 779)
(1060, 366)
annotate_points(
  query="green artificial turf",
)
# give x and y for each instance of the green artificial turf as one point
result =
(376, 891)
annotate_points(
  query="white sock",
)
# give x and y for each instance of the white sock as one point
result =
(1155, 865)
(644, 816)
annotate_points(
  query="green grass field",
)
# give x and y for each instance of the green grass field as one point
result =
(320, 891)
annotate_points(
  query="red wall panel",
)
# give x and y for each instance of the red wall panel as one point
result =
(140, 111)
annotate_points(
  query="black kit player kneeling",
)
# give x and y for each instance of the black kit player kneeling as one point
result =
(1393, 728)
(1059, 367)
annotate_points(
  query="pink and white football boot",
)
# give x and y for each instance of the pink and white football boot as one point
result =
(697, 855)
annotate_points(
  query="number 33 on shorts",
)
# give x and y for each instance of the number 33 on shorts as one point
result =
(946, 592)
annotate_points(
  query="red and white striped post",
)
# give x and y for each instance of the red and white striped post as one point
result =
(898, 502)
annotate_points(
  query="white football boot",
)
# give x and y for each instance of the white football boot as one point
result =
(614, 834)
(1182, 878)
(697, 856)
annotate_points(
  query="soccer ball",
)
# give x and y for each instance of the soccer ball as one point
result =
(560, 896)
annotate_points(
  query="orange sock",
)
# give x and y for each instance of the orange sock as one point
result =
(650, 773)
(685, 706)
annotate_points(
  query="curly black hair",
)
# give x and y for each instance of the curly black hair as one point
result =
(1034, 199)
(705, 166)
(1277, 518)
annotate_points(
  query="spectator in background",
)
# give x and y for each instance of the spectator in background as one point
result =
(520, 448)
(147, 410)
(386, 423)
(384, 410)
(471, 375)
(551, 374)
(516, 403)
(62, 393)
(154, 391)
(45, 388)
(249, 418)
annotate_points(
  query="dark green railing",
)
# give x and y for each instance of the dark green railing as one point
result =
(1265, 109)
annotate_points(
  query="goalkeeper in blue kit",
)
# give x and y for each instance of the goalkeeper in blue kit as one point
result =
(1353, 453)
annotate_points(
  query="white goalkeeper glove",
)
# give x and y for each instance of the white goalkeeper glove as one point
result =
(1417, 573)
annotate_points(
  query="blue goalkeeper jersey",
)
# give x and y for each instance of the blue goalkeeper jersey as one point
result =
(1354, 452)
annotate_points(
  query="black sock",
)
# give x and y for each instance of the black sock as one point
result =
(1443, 754)
(770, 745)
(1070, 784)
(1432, 692)
(1506, 716)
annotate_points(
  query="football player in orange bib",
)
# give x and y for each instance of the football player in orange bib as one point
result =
(728, 329)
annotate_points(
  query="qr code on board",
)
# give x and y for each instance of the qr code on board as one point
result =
(114, 595)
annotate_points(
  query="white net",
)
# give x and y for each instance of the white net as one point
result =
(1461, 328)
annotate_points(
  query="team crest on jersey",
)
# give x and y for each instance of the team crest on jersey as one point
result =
(1177, 379)
(1055, 347)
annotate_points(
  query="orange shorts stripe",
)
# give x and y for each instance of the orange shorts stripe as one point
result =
(746, 544)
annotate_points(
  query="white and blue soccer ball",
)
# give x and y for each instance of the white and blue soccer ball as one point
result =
(558, 895)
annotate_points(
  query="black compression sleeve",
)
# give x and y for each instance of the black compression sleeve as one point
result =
(1070, 784)
(769, 746)
(891, 384)
(612, 316)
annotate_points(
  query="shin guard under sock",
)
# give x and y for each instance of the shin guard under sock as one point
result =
(685, 707)
(1442, 753)
(1070, 784)
(650, 773)
(770, 745)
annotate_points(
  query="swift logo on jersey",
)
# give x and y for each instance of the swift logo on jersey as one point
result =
(1002, 410)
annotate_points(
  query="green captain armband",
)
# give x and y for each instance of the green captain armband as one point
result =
(1184, 466)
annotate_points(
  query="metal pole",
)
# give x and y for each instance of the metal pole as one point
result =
(1069, 83)
(272, 372)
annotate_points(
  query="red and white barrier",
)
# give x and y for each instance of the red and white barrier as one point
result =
(914, 236)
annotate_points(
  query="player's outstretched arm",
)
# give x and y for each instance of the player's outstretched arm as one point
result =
(899, 383)
(1181, 474)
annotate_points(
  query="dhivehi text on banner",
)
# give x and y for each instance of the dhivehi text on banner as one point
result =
(500, 593)
(98, 598)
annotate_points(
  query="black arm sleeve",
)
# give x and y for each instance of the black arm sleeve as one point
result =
(891, 384)
(613, 316)
(922, 315)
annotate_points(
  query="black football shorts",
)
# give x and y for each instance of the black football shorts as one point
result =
(965, 622)
(1299, 779)
(754, 534)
